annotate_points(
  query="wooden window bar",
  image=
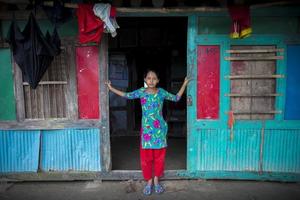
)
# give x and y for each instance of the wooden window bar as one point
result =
(255, 51)
(257, 112)
(253, 95)
(254, 58)
(254, 76)
(49, 83)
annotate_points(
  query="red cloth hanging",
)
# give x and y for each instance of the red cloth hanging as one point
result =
(90, 26)
(241, 21)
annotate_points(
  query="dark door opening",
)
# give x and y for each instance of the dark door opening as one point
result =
(158, 43)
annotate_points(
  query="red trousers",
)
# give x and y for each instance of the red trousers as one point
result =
(152, 159)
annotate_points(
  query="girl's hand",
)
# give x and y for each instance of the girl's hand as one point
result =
(186, 80)
(108, 84)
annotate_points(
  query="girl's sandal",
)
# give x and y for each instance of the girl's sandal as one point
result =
(158, 189)
(147, 190)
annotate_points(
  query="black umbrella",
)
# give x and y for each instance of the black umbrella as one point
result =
(33, 51)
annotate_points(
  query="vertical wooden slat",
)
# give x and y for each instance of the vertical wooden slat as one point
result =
(71, 93)
(59, 91)
(19, 91)
(47, 97)
(41, 101)
(104, 105)
(63, 78)
(29, 108)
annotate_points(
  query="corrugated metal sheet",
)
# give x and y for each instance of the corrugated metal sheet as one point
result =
(19, 151)
(281, 151)
(71, 149)
(217, 152)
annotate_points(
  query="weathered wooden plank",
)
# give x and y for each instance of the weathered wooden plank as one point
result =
(55, 123)
(47, 96)
(58, 92)
(71, 92)
(255, 76)
(257, 112)
(253, 95)
(255, 51)
(250, 79)
(104, 105)
(49, 83)
(40, 93)
(19, 92)
(255, 58)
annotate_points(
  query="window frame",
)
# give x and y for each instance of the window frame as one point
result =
(281, 42)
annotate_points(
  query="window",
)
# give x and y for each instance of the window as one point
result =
(253, 81)
(48, 100)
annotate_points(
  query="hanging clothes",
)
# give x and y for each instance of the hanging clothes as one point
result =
(32, 51)
(107, 14)
(241, 21)
(58, 14)
(90, 26)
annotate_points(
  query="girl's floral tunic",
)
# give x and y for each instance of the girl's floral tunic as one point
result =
(154, 128)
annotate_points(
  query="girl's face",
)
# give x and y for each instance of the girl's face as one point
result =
(151, 79)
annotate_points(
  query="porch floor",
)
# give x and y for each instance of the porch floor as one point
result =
(125, 153)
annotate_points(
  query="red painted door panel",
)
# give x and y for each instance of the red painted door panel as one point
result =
(87, 62)
(208, 82)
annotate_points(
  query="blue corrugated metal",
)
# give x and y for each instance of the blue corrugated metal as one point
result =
(216, 151)
(71, 149)
(19, 151)
(281, 151)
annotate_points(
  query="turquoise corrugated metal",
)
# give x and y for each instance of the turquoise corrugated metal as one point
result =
(19, 151)
(281, 151)
(216, 151)
(71, 149)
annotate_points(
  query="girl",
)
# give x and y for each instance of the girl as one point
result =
(154, 128)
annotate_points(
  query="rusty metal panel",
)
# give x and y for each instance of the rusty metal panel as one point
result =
(19, 151)
(71, 150)
(217, 152)
(281, 151)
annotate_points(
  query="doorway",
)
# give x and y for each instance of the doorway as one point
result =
(143, 43)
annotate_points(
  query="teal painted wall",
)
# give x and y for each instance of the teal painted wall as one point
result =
(7, 98)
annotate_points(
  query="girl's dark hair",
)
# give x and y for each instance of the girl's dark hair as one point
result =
(151, 70)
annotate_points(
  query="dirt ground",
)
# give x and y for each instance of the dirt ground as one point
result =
(175, 189)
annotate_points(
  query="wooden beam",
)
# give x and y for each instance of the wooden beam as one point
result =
(253, 95)
(49, 83)
(254, 58)
(254, 76)
(50, 124)
(255, 51)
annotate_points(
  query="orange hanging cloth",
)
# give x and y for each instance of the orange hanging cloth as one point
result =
(241, 21)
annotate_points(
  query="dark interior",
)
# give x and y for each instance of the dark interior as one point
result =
(157, 43)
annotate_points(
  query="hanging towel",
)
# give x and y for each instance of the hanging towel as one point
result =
(108, 15)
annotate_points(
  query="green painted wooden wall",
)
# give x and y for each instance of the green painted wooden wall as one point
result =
(7, 98)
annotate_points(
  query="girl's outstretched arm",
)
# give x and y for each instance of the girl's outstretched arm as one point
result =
(114, 90)
(181, 91)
